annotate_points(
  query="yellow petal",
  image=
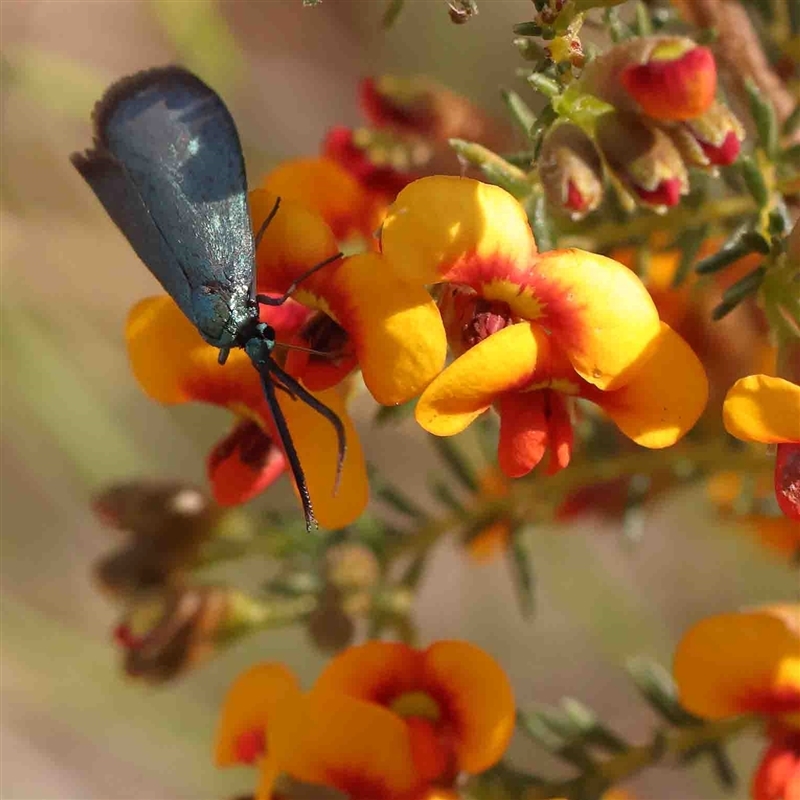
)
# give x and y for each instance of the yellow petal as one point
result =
(726, 661)
(760, 408)
(248, 705)
(326, 188)
(395, 327)
(507, 360)
(315, 440)
(173, 364)
(356, 747)
(480, 699)
(665, 397)
(438, 223)
(296, 239)
(599, 312)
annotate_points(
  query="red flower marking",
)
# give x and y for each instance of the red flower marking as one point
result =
(125, 638)
(250, 745)
(559, 312)
(772, 702)
(244, 464)
(575, 200)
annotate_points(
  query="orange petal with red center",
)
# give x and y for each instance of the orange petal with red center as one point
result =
(665, 397)
(329, 190)
(760, 408)
(245, 463)
(173, 364)
(598, 312)
(477, 699)
(316, 444)
(247, 710)
(523, 432)
(337, 741)
(441, 225)
(296, 239)
(506, 361)
(733, 663)
(395, 327)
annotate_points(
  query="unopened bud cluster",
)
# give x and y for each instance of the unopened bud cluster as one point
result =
(661, 118)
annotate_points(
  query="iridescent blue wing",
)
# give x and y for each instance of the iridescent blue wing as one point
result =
(168, 167)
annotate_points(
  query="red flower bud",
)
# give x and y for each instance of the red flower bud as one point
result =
(644, 158)
(677, 81)
(712, 139)
(787, 478)
(570, 169)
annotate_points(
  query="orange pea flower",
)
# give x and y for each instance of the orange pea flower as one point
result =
(455, 700)
(382, 721)
(742, 662)
(173, 364)
(369, 317)
(531, 330)
(760, 408)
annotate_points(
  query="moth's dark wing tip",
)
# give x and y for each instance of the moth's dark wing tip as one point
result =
(128, 87)
(91, 162)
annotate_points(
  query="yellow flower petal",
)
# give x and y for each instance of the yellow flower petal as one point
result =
(173, 364)
(726, 662)
(316, 444)
(296, 239)
(326, 188)
(665, 397)
(438, 223)
(248, 705)
(480, 699)
(599, 312)
(760, 408)
(395, 327)
(356, 747)
(506, 360)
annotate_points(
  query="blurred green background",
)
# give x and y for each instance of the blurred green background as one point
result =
(73, 418)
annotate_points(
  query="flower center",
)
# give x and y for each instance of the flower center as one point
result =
(416, 704)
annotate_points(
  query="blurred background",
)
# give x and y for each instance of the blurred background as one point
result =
(74, 419)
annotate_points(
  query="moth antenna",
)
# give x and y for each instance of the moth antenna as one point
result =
(279, 301)
(294, 386)
(288, 447)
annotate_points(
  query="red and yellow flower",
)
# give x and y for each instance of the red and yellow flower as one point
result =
(532, 330)
(742, 662)
(760, 408)
(383, 721)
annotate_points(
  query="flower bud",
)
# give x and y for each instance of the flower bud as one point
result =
(165, 635)
(353, 569)
(167, 523)
(644, 158)
(711, 139)
(571, 171)
(329, 626)
(787, 478)
(664, 77)
(245, 463)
